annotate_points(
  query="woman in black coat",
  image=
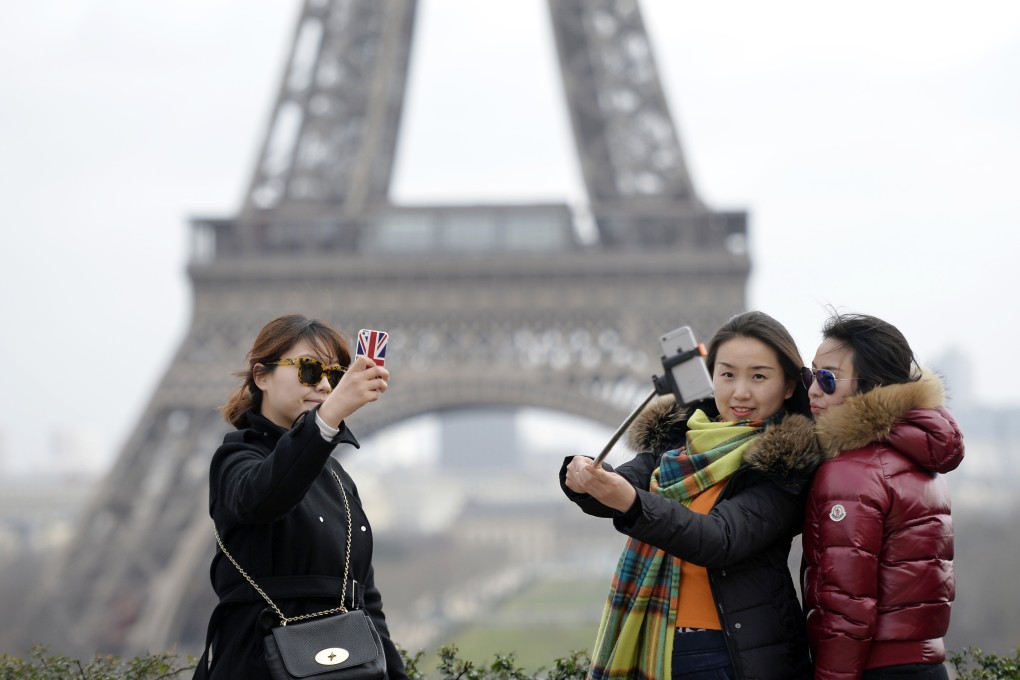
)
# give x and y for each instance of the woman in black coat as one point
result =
(275, 499)
(711, 505)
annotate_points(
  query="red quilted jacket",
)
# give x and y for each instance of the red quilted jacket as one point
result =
(877, 572)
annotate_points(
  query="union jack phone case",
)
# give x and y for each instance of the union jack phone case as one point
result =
(372, 344)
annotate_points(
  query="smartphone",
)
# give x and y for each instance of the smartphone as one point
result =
(372, 344)
(690, 378)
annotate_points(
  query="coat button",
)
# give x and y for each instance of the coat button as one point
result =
(736, 625)
(722, 573)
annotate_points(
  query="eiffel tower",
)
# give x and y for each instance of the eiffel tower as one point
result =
(507, 294)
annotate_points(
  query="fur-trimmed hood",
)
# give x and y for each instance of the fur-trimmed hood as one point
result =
(786, 451)
(908, 417)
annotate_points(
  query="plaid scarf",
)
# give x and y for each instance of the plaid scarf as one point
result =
(635, 638)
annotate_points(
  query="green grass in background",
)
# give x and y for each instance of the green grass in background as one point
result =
(546, 621)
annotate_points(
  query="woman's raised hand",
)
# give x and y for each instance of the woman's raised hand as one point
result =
(608, 488)
(363, 382)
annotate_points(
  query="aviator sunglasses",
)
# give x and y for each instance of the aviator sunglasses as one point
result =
(310, 370)
(826, 379)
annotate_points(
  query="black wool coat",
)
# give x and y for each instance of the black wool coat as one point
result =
(744, 541)
(280, 514)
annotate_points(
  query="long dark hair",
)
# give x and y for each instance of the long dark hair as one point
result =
(881, 354)
(760, 326)
(275, 338)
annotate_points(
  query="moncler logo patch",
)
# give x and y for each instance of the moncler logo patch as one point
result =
(837, 513)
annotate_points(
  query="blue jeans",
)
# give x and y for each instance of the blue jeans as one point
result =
(701, 656)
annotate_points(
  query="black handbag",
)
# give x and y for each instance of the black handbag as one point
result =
(338, 647)
(336, 644)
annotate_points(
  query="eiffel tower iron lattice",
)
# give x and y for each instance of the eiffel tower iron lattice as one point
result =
(507, 294)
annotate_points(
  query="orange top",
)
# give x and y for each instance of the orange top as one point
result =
(697, 606)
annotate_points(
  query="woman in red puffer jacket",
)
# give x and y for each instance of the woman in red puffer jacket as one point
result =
(877, 573)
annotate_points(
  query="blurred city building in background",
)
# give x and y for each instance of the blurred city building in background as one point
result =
(492, 307)
(500, 315)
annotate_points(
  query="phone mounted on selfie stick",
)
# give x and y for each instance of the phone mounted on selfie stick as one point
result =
(685, 377)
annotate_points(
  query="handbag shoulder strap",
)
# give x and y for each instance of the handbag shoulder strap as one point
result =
(280, 586)
(284, 620)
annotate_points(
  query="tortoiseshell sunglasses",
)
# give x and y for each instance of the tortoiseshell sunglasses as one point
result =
(310, 370)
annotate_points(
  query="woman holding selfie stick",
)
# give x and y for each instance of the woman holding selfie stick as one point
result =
(288, 519)
(711, 505)
(878, 536)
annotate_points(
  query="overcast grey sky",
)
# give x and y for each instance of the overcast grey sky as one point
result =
(875, 146)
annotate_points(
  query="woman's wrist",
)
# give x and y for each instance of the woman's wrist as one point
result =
(333, 413)
(327, 431)
(624, 501)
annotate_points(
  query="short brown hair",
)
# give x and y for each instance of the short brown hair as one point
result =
(275, 338)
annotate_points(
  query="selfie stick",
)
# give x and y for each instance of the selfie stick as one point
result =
(623, 428)
(663, 385)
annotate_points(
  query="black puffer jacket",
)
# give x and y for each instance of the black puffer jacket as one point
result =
(744, 541)
(279, 510)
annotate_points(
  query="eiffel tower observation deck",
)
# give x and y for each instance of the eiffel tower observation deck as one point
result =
(536, 310)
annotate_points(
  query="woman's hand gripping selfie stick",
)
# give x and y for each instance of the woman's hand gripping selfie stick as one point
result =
(700, 388)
